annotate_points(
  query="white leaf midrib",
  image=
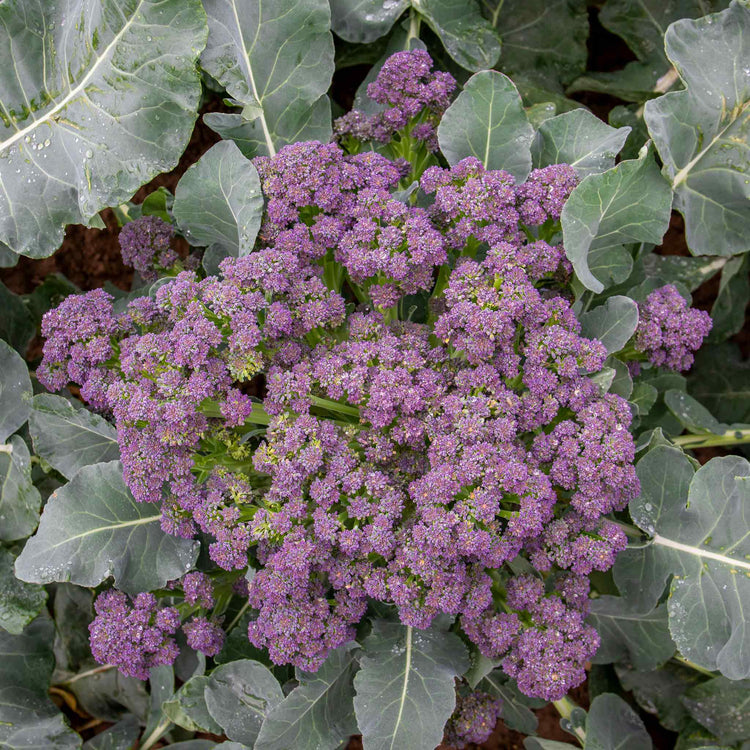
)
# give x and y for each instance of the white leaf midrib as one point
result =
(73, 93)
(663, 541)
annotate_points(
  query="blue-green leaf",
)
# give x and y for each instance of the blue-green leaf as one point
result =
(628, 203)
(69, 438)
(20, 602)
(405, 691)
(19, 498)
(239, 696)
(218, 201)
(276, 60)
(104, 100)
(319, 713)
(92, 528)
(701, 133)
(722, 706)
(613, 323)
(612, 725)
(700, 537)
(580, 139)
(364, 21)
(15, 391)
(487, 121)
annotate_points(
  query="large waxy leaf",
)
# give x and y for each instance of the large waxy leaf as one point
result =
(15, 391)
(720, 380)
(20, 602)
(187, 707)
(92, 528)
(19, 499)
(701, 133)
(612, 725)
(218, 202)
(728, 311)
(516, 711)
(275, 59)
(319, 713)
(16, 324)
(122, 736)
(722, 706)
(364, 21)
(659, 691)
(487, 121)
(469, 39)
(544, 40)
(628, 203)
(639, 640)
(28, 718)
(96, 98)
(580, 139)
(239, 696)
(700, 536)
(691, 272)
(613, 323)
(404, 688)
(69, 438)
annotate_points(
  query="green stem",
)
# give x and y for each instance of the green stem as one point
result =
(680, 659)
(414, 23)
(329, 405)
(88, 673)
(565, 708)
(257, 416)
(730, 437)
(237, 617)
(156, 735)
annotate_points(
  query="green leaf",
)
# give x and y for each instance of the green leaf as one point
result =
(612, 323)
(488, 121)
(633, 83)
(404, 688)
(691, 272)
(643, 397)
(701, 537)
(28, 718)
(516, 712)
(319, 713)
(69, 438)
(728, 311)
(659, 692)
(187, 707)
(628, 203)
(92, 528)
(122, 736)
(276, 58)
(468, 38)
(696, 737)
(16, 325)
(364, 21)
(720, 380)
(19, 499)
(643, 23)
(158, 204)
(612, 725)
(622, 384)
(640, 640)
(722, 706)
(543, 39)
(110, 695)
(239, 696)
(20, 602)
(50, 293)
(701, 133)
(105, 100)
(15, 391)
(218, 201)
(580, 139)
(539, 743)
(693, 416)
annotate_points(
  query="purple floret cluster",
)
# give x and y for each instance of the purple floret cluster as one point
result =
(336, 455)
(473, 720)
(137, 636)
(146, 246)
(669, 330)
(413, 97)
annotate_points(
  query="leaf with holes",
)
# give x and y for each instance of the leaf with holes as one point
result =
(96, 98)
